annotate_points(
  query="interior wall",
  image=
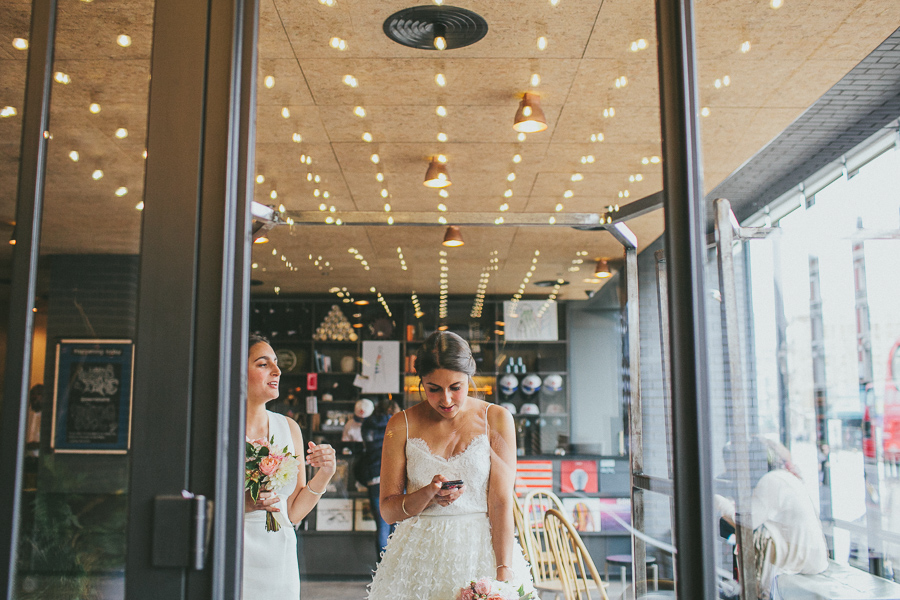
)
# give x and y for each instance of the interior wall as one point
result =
(595, 350)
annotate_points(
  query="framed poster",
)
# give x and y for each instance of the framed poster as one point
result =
(530, 321)
(92, 396)
(533, 475)
(615, 514)
(380, 367)
(583, 513)
(363, 519)
(334, 514)
(578, 476)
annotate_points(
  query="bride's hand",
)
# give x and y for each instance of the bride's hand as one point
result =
(321, 456)
(444, 497)
(266, 501)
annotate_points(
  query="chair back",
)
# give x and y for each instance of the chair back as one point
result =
(576, 569)
(534, 507)
(519, 520)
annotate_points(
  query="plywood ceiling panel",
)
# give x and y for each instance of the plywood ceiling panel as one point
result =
(797, 53)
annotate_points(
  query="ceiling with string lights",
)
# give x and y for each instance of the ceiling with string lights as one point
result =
(349, 120)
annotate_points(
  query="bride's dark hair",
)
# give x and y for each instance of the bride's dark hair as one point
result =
(445, 350)
(254, 340)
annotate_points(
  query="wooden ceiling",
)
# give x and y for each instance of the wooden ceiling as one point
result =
(796, 53)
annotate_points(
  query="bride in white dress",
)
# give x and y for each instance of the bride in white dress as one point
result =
(447, 537)
(271, 570)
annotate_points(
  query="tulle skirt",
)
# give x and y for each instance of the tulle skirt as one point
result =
(430, 558)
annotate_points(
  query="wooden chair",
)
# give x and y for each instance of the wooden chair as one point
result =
(543, 568)
(519, 520)
(575, 568)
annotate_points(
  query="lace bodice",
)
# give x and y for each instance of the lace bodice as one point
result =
(472, 465)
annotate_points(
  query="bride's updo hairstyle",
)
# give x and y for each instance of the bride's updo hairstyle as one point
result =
(445, 350)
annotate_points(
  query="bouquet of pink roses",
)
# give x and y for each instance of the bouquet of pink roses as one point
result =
(491, 589)
(268, 469)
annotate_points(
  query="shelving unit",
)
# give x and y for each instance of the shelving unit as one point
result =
(291, 325)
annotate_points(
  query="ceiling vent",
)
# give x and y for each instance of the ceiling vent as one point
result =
(417, 27)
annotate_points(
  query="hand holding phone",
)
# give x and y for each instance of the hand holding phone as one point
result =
(449, 485)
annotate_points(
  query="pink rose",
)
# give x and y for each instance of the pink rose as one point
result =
(467, 593)
(482, 587)
(269, 464)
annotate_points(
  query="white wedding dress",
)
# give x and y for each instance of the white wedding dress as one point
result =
(271, 570)
(432, 555)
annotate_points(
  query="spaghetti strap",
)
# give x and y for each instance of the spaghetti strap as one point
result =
(407, 424)
(486, 428)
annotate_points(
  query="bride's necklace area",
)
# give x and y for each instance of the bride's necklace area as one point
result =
(263, 435)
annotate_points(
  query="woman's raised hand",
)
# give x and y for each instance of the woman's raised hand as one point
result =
(444, 497)
(266, 501)
(321, 456)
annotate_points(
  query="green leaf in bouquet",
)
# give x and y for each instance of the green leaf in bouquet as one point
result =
(250, 449)
(264, 451)
(254, 490)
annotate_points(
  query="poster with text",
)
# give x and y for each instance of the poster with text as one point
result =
(578, 476)
(92, 396)
(380, 367)
(530, 321)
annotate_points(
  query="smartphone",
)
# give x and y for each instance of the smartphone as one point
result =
(449, 485)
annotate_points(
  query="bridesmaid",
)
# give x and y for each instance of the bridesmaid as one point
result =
(271, 570)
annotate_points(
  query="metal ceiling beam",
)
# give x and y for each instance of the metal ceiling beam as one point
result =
(430, 219)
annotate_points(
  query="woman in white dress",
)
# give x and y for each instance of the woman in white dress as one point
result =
(271, 570)
(447, 537)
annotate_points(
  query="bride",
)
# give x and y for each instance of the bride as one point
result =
(449, 533)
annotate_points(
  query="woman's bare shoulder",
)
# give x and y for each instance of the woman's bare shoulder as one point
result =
(497, 416)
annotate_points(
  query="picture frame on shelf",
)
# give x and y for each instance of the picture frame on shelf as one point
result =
(584, 514)
(363, 518)
(334, 514)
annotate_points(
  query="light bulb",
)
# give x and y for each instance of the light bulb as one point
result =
(123, 40)
(269, 81)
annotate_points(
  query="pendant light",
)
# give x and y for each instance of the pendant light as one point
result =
(453, 237)
(602, 269)
(530, 116)
(437, 176)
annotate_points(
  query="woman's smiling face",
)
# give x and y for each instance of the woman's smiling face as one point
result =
(446, 391)
(263, 373)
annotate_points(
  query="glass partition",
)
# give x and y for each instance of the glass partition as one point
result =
(14, 24)
(74, 504)
(799, 224)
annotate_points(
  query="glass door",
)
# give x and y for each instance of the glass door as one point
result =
(127, 310)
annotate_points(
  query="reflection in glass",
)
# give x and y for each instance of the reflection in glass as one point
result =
(72, 524)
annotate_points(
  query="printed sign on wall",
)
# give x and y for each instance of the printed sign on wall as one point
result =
(92, 396)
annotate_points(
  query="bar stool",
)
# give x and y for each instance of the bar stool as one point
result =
(623, 561)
